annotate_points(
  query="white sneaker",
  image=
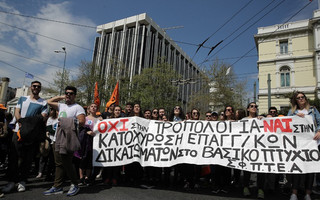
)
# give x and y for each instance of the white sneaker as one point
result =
(39, 175)
(293, 197)
(21, 186)
(307, 197)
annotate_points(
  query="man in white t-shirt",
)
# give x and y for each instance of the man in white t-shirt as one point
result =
(23, 149)
(63, 162)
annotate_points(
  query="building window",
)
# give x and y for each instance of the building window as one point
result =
(285, 76)
(284, 47)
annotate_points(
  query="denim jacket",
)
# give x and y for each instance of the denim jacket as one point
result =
(313, 112)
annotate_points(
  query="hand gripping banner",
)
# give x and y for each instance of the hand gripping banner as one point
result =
(269, 145)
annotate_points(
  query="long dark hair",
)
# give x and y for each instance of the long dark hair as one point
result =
(112, 115)
(54, 114)
(241, 114)
(232, 117)
(152, 114)
(197, 112)
(248, 106)
(181, 114)
(140, 112)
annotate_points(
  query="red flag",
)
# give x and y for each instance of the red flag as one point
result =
(114, 97)
(96, 95)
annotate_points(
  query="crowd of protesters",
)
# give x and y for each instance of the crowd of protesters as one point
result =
(58, 138)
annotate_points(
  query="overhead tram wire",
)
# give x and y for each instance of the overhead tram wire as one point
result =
(242, 25)
(187, 43)
(39, 61)
(201, 45)
(46, 36)
(25, 72)
(50, 20)
(273, 31)
(272, 9)
(80, 25)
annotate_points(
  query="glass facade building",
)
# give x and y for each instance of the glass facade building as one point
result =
(138, 43)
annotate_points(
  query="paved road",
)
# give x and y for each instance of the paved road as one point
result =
(99, 191)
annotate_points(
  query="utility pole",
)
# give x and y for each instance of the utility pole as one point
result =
(269, 91)
(255, 92)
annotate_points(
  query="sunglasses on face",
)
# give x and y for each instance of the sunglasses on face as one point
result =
(272, 111)
(69, 93)
(195, 113)
(301, 97)
(229, 110)
(253, 106)
(208, 115)
(155, 112)
(37, 86)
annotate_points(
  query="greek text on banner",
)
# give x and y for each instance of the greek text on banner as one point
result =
(269, 145)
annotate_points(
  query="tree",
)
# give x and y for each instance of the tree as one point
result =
(153, 87)
(220, 88)
(85, 82)
(55, 88)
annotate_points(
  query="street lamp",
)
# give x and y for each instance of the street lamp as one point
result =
(64, 65)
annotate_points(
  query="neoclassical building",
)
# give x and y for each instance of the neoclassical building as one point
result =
(138, 42)
(290, 53)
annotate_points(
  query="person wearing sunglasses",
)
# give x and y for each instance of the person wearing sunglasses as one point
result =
(177, 114)
(251, 114)
(63, 161)
(191, 172)
(273, 111)
(214, 116)
(30, 113)
(222, 174)
(300, 107)
(229, 113)
(155, 114)
(208, 116)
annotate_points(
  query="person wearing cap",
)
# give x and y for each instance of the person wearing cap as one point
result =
(214, 116)
(30, 112)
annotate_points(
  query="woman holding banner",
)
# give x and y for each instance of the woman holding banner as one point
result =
(190, 172)
(110, 175)
(222, 174)
(252, 113)
(300, 107)
(176, 115)
(134, 171)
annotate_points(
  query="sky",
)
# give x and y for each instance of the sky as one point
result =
(27, 43)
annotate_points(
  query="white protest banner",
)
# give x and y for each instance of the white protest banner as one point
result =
(269, 145)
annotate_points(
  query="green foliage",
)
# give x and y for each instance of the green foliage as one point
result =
(201, 99)
(85, 82)
(224, 89)
(315, 103)
(55, 89)
(153, 87)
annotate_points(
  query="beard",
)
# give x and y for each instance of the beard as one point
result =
(35, 92)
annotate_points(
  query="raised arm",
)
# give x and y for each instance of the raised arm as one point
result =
(53, 102)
